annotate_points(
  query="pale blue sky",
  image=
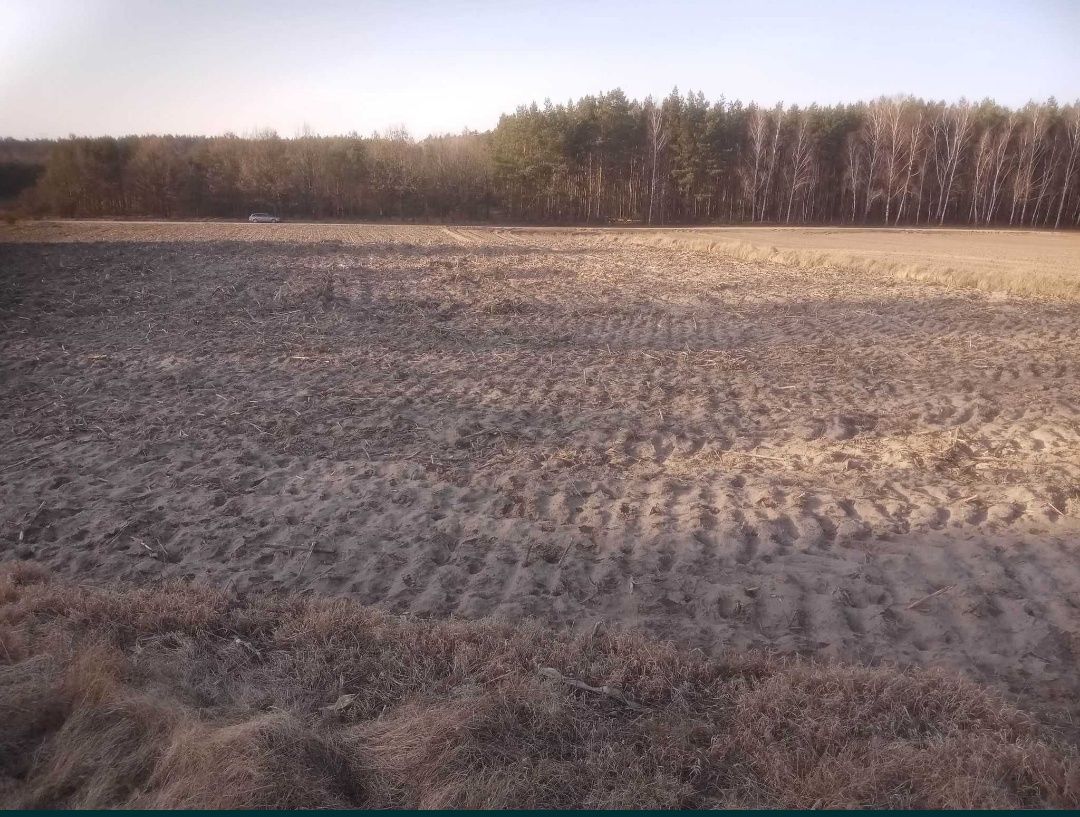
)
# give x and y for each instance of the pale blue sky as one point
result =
(185, 66)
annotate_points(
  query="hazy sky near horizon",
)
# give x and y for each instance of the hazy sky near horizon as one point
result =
(93, 67)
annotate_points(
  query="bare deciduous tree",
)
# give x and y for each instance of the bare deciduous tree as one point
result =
(802, 164)
(1072, 137)
(658, 135)
(951, 129)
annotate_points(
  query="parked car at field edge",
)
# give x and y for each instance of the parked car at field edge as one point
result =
(263, 218)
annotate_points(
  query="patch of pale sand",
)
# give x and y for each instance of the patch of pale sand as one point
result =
(725, 453)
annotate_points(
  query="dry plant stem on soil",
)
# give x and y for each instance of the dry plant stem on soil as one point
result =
(183, 697)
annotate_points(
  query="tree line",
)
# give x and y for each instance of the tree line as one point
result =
(600, 159)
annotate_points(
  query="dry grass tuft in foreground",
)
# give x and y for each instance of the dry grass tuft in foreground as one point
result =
(183, 697)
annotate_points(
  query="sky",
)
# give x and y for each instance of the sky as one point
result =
(115, 67)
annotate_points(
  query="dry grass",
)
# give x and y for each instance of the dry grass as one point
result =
(1019, 262)
(182, 697)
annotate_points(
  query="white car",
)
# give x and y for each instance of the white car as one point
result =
(263, 218)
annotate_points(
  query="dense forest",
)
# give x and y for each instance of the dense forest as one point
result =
(601, 159)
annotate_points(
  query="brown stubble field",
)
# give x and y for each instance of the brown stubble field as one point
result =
(1020, 262)
(595, 432)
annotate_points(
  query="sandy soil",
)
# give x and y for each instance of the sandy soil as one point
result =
(469, 422)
